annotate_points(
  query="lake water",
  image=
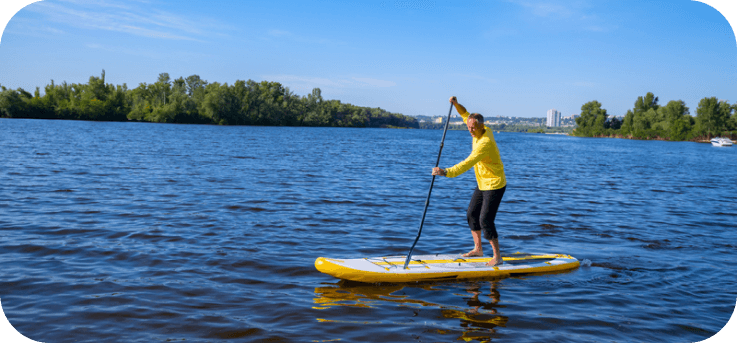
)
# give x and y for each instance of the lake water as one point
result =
(140, 232)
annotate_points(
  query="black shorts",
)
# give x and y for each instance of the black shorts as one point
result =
(482, 211)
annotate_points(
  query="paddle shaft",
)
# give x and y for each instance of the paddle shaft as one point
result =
(427, 201)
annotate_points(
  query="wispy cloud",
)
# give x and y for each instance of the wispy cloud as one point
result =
(146, 53)
(28, 27)
(139, 18)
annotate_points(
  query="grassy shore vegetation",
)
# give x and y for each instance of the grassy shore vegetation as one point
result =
(649, 120)
(192, 100)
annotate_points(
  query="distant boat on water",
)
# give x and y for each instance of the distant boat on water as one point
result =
(721, 141)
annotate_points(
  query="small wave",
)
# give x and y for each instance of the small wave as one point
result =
(246, 208)
(331, 220)
(230, 334)
(368, 204)
(609, 265)
(726, 214)
(326, 201)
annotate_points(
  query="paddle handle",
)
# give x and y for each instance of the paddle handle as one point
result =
(427, 201)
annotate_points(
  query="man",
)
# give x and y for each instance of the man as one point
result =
(490, 183)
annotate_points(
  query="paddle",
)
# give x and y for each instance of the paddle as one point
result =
(427, 202)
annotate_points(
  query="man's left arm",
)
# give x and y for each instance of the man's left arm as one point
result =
(481, 150)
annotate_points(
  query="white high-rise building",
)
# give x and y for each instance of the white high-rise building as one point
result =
(553, 118)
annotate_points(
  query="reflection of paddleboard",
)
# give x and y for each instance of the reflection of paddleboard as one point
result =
(440, 267)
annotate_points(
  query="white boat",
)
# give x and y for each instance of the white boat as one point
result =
(721, 141)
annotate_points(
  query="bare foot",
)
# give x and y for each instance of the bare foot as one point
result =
(474, 253)
(496, 261)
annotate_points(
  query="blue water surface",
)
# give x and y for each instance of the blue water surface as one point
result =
(141, 232)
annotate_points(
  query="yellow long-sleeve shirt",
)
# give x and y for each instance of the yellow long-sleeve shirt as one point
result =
(485, 159)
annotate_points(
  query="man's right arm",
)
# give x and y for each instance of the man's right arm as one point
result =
(459, 108)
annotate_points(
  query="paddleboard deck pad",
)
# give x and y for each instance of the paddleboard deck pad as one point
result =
(441, 267)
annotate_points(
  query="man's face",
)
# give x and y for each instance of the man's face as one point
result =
(475, 128)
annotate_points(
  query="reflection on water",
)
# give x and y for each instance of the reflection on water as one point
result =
(477, 319)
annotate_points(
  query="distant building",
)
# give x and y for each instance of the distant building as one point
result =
(553, 118)
(454, 119)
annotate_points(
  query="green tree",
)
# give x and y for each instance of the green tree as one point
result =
(627, 124)
(13, 103)
(713, 115)
(680, 128)
(61, 97)
(638, 122)
(271, 105)
(732, 123)
(592, 120)
(139, 99)
(670, 122)
(221, 105)
(181, 108)
(316, 115)
(161, 89)
(649, 101)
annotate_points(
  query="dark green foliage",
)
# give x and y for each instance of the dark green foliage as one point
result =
(93, 101)
(649, 120)
(714, 117)
(592, 121)
(193, 100)
(15, 103)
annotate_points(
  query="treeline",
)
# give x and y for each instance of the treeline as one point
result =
(192, 100)
(650, 120)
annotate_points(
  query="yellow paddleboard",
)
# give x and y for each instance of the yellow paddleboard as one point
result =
(440, 267)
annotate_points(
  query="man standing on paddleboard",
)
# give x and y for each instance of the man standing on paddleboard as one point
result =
(490, 183)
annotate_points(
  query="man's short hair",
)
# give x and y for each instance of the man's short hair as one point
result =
(479, 118)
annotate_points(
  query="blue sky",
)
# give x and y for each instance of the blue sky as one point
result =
(510, 58)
